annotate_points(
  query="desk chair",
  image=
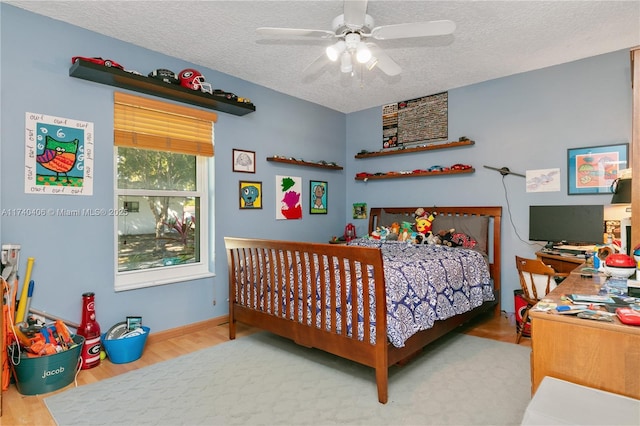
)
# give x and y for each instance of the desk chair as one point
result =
(536, 280)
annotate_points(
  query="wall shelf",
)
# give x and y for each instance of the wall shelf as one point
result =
(303, 163)
(413, 175)
(125, 80)
(431, 147)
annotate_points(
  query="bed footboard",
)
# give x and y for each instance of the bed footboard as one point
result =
(304, 292)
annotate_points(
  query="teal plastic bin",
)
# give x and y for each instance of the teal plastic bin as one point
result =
(48, 373)
(125, 349)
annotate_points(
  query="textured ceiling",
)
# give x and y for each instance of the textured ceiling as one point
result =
(493, 39)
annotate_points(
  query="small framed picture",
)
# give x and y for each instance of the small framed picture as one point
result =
(244, 161)
(318, 198)
(592, 170)
(250, 195)
(359, 210)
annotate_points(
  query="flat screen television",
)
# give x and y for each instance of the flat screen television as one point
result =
(574, 224)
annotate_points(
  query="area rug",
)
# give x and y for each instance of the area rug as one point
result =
(263, 379)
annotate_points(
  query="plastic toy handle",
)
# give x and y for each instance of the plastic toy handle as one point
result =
(22, 307)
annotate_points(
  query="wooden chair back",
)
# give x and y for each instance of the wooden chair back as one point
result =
(536, 279)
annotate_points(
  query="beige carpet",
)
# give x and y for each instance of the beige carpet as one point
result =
(262, 379)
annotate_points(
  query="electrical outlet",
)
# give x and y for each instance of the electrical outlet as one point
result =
(214, 302)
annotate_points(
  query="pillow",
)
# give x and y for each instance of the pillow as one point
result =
(476, 227)
(386, 219)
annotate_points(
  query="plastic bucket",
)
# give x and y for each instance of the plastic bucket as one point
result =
(521, 306)
(49, 372)
(125, 349)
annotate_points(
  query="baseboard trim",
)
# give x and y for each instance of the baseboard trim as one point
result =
(186, 329)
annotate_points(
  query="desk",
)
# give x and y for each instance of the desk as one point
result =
(564, 264)
(596, 354)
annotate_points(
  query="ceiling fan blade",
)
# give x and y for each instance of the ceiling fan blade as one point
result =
(294, 32)
(384, 63)
(354, 13)
(317, 65)
(415, 29)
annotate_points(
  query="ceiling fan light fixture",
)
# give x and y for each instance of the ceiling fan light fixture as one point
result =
(363, 54)
(333, 52)
(345, 63)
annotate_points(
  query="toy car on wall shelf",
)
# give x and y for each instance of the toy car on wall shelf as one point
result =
(460, 166)
(97, 60)
(164, 75)
(228, 95)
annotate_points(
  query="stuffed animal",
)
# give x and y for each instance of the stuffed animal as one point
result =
(406, 229)
(446, 238)
(380, 233)
(394, 231)
(424, 221)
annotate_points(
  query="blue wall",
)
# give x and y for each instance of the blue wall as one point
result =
(526, 121)
(75, 254)
(523, 122)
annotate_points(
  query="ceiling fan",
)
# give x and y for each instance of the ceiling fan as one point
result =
(353, 29)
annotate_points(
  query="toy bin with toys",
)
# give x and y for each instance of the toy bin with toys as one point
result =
(126, 348)
(47, 373)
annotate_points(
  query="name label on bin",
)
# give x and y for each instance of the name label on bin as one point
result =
(50, 373)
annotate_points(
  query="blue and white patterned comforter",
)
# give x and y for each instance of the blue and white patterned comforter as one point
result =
(426, 283)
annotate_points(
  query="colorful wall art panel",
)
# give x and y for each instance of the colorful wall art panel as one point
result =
(58, 155)
(288, 197)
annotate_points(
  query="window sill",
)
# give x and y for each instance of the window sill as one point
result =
(151, 278)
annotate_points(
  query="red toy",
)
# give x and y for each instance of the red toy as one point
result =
(194, 80)
(106, 62)
(628, 316)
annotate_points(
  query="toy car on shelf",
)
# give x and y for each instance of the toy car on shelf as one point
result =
(460, 167)
(164, 75)
(228, 95)
(97, 60)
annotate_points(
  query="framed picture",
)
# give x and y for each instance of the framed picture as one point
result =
(359, 210)
(318, 198)
(592, 170)
(244, 161)
(250, 195)
(288, 197)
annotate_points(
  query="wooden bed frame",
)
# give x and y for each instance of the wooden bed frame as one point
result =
(247, 259)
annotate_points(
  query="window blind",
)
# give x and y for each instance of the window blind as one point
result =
(149, 124)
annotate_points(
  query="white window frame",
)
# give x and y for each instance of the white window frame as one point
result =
(130, 280)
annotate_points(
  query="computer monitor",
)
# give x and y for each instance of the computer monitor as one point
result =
(568, 224)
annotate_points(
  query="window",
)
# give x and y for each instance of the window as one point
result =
(162, 156)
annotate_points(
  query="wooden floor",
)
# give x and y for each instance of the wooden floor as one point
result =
(18, 409)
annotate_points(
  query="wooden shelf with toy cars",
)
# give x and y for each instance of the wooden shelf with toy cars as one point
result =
(395, 175)
(427, 147)
(320, 164)
(126, 80)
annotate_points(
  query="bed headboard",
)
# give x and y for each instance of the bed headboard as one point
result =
(449, 215)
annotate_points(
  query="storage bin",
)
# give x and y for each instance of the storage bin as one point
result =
(521, 305)
(47, 373)
(126, 349)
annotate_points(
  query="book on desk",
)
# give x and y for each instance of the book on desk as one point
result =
(610, 303)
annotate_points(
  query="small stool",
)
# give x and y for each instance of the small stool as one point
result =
(557, 402)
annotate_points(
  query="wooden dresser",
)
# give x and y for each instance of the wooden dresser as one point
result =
(596, 354)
